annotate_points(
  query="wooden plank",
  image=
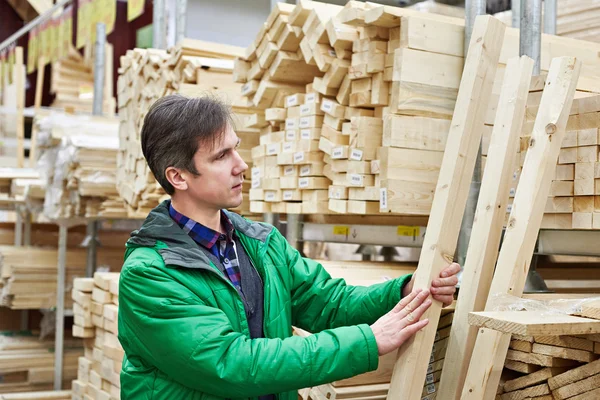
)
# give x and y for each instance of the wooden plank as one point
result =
(534, 391)
(19, 74)
(539, 359)
(562, 352)
(525, 221)
(489, 220)
(451, 195)
(566, 341)
(590, 309)
(521, 367)
(582, 386)
(415, 132)
(532, 323)
(574, 375)
(532, 379)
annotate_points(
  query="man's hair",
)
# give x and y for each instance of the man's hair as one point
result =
(174, 128)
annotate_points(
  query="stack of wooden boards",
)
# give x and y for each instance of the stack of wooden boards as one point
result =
(45, 395)
(27, 363)
(11, 182)
(96, 312)
(356, 81)
(78, 163)
(577, 19)
(194, 69)
(72, 82)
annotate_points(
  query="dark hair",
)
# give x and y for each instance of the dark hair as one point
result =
(175, 126)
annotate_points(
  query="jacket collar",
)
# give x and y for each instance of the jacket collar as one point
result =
(176, 246)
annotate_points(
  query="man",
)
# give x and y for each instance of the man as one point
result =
(208, 299)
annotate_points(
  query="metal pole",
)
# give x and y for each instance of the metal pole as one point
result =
(550, 13)
(515, 7)
(181, 20)
(473, 8)
(530, 37)
(158, 24)
(60, 305)
(92, 248)
(15, 36)
(272, 219)
(99, 68)
(294, 234)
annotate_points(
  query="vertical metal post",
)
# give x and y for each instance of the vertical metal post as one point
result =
(159, 33)
(515, 7)
(60, 305)
(19, 227)
(294, 231)
(530, 36)
(181, 20)
(99, 66)
(550, 13)
(473, 8)
(92, 248)
(272, 219)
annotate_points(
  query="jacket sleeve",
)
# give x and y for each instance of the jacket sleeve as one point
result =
(170, 328)
(321, 302)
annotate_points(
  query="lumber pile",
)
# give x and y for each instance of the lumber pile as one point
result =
(27, 364)
(96, 320)
(194, 69)
(384, 114)
(45, 395)
(78, 164)
(577, 19)
(72, 83)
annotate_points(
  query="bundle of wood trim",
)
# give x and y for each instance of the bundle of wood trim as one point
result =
(377, 86)
(96, 320)
(193, 69)
(44, 395)
(78, 164)
(27, 363)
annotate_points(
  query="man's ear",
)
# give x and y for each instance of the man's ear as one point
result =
(176, 178)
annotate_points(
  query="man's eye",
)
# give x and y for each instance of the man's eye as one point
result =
(221, 156)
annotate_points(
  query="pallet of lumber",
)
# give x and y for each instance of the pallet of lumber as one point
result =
(193, 69)
(27, 362)
(96, 320)
(44, 395)
(78, 165)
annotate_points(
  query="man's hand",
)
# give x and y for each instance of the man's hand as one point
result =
(395, 327)
(442, 288)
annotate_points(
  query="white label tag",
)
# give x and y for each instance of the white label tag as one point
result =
(290, 123)
(430, 388)
(337, 152)
(383, 200)
(509, 208)
(288, 170)
(327, 105)
(332, 52)
(246, 88)
(298, 157)
(305, 134)
(310, 98)
(288, 194)
(356, 179)
(356, 155)
(430, 368)
(303, 182)
(272, 149)
(429, 378)
(269, 196)
(305, 170)
(291, 101)
(512, 192)
(304, 122)
(290, 135)
(304, 109)
(288, 147)
(255, 172)
(255, 183)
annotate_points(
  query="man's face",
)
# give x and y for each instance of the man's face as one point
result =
(221, 170)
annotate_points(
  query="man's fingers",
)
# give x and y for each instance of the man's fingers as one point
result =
(450, 270)
(414, 305)
(418, 312)
(402, 303)
(444, 290)
(410, 330)
(445, 300)
(450, 281)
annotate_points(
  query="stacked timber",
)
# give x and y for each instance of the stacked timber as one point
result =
(577, 19)
(194, 69)
(27, 364)
(96, 313)
(78, 163)
(44, 395)
(72, 83)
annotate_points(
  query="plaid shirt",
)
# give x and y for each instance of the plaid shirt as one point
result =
(221, 245)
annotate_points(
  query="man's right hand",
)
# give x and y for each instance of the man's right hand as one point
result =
(397, 326)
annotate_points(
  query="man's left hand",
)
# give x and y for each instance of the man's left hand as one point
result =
(442, 288)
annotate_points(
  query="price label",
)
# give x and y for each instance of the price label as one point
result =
(430, 388)
(509, 208)
(288, 147)
(310, 98)
(341, 230)
(255, 172)
(512, 192)
(303, 182)
(332, 52)
(269, 196)
(305, 134)
(272, 149)
(245, 88)
(255, 183)
(356, 155)
(288, 170)
(356, 179)
(304, 109)
(337, 152)
(298, 157)
(304, 122)
(429, 379)
(327, 105)
(288, 195)
(429, 368)
(291, 101)
(290, 134)
(305, 170)
(334, 193)
(410, 231)
(291, 123)
(383, 200)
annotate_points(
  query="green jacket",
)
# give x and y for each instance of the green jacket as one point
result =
(184, 330)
